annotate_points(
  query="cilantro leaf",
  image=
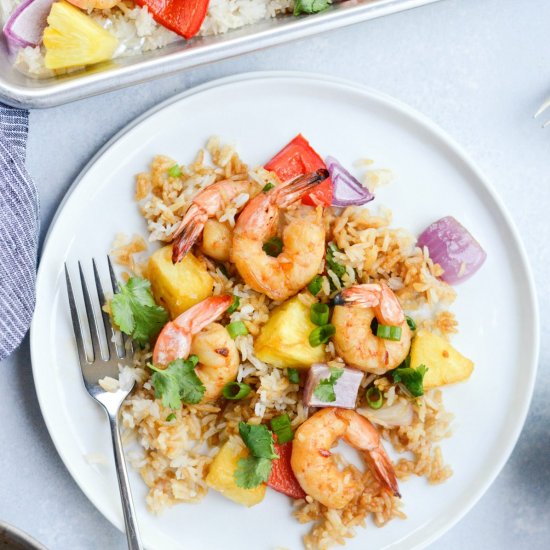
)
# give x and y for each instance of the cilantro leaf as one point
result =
(252, 471)
(135, 312)
(325, 388)
(258, 439)
(310, 6)
(411, 378)
(178, 382)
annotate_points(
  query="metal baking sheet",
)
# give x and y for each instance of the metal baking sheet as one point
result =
(21, 91)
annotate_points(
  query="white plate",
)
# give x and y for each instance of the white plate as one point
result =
(259, 113)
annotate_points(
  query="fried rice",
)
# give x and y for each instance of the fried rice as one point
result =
(177, 447)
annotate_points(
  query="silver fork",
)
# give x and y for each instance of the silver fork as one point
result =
(97, 367)
(541, 110)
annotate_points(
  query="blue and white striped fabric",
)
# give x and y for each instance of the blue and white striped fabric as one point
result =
(19, 225)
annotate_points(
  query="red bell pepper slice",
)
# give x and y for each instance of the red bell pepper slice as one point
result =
(297, 158)
(184, 17)
(282, 477)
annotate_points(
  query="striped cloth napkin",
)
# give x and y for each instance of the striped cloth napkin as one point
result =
(19, 225)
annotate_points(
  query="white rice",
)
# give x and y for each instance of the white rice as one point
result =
(137, 31)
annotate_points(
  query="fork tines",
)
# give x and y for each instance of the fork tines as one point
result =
(114, 351)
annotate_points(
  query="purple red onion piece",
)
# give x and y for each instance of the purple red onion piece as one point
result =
(453, 247)
(26, 24)
(345, 388)
(347, 190)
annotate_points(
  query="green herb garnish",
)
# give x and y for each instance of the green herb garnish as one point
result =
(411, 378)
(293, 376)
(135, 311)
(234, 304)
(321, 335)
(325, 388)
(388, 332)
(252, 471)
(267, 187)
(236, 390)
(178, 382)
(237, 328)
(175, 171)
(170, 417)
(255, 469)
(258, 439)
(273, 247)
(315, 285)
(282, 429)
(338, 269)
(374, 397)
(319, 314)
(310, 6)
(410, 322)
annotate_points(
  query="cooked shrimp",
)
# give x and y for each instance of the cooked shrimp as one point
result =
(316, 470)
(213, 199)
(303, 240)
(94, 4)
(354, 339)
(195, 332)
(216, 240)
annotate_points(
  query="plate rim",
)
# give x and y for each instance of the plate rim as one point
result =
(448, 141)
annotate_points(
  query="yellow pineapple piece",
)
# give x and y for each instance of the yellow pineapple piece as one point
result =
(284, 339)
(179, 286)
(444, 363)
(73, 39)
(221, 475)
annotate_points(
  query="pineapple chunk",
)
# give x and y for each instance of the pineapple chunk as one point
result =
(284, 339)
(179, 286)
(73, 39)
(221, 475)
(445, 364)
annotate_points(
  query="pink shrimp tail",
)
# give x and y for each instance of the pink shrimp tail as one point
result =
(378, 296)
(295, 189)
(359, 295)
(188, 232)
(382, 468)
(202, 314)
(174, 340)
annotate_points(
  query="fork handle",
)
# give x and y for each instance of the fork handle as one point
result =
(130, 519)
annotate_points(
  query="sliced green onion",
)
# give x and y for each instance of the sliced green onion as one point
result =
(315, 285)
(273, 247)
(170, 417)
(388, 332)
(338, 269)
(319, 314)
(175, 171)
(411, 323)
(237, 328)
(293, 376)
(282, 429)
(236, 390)
(234, 304)
(374, 397)
(267, 187)
(321, 335)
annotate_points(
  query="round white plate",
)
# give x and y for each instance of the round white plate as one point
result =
(260, 113)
